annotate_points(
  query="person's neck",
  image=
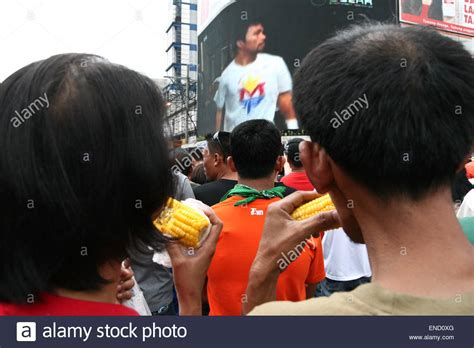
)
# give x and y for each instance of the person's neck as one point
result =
(258, 184)
(417, 248)
(297, 170)
(245, 58)
(107, 293)
(227, 174)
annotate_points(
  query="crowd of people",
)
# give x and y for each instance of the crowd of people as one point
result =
(83, 178)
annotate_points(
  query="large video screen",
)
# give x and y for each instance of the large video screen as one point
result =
(233, 93)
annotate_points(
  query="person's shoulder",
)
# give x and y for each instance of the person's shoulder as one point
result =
(227, 71)
(288, 190)
(342, 303)
(60, 305)
(202, 189)
(287, 177)
(371, 299)
(210, 186)
(3, 311)
(212, 192)
(226, 205)
(467, 207)
(272, 59)
(470, 197)
(126, 311)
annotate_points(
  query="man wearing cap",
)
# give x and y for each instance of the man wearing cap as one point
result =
(297, 179)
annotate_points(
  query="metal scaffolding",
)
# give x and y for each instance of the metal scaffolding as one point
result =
(181, 96)
(181, 92)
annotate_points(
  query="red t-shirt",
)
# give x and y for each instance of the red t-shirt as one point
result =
(470, 170)
(236, 250)
(53, 305)
(299, 181)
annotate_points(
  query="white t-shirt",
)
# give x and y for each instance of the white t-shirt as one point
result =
(251, 91)
(344, 260)
(467, 206)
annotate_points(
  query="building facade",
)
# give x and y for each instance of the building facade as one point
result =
(181, 91)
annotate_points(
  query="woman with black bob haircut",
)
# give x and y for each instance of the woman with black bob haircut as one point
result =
(83, 170)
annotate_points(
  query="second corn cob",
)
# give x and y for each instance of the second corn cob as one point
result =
(313, 208)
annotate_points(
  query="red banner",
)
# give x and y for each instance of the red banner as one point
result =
(456, 16)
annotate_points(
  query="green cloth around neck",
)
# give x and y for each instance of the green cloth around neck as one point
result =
(252, 194)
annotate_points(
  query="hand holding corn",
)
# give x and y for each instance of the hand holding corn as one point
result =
(183, 222)
(190, 269)
(287, 225)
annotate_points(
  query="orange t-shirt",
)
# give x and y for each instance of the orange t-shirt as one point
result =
(236, 250)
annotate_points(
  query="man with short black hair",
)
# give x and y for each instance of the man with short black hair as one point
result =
(222, 178)
(256, 156)
(390, 113)
(297, 179)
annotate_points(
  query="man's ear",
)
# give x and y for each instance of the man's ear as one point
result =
(239, 44)
(217, 159)
(280, 164)
(231, 164)
(317, 165)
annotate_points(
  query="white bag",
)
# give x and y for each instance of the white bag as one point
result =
(138, 302)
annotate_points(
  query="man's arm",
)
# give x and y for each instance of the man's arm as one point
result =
(190, 270)
(219, 119)
(280, 235)
(285, 103)
(285, 98)
(219, 99)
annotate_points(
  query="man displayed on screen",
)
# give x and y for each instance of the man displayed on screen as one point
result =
(254, 85)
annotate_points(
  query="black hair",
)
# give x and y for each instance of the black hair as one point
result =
(255, 147)
(243, 28)
(196, 153)
(221, 147)
(81, 175)
(182, 161)
(199, 175)
(293, 152)
(419, 124)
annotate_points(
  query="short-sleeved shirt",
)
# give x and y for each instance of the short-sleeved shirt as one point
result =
(251, 91)
(236, 250)
(53, 305)
(372, 299)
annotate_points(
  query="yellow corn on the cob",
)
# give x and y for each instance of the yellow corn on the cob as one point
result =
(314, 207)
(182, 222)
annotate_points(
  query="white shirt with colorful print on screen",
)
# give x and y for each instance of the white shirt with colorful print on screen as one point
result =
(251, 91)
